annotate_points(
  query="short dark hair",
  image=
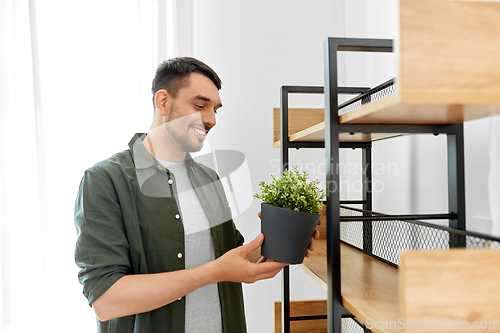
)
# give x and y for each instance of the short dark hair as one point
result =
(172, 74)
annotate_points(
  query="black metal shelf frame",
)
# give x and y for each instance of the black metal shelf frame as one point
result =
(285, 145)
(456, 193)
(456, 187)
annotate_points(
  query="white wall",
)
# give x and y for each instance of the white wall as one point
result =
(477, 164)
(256, 47)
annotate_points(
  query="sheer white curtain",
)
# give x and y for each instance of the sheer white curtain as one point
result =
(75, 83)
(21, 174)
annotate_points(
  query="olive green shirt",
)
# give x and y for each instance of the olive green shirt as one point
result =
(128, 222)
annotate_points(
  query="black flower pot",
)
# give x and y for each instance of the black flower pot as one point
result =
(287, 233)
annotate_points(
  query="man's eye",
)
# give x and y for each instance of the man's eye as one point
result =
(199, 106)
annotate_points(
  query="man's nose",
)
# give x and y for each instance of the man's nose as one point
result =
(208, 118)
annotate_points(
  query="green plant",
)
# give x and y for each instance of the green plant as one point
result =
(292, 191)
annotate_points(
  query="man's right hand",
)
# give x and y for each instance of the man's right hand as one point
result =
(234, 265)
(138, 293)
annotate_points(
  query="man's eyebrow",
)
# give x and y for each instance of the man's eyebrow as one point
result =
(206, 99)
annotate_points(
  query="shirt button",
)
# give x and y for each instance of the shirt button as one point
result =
(177, 216)
(179, 255)
(170, 181)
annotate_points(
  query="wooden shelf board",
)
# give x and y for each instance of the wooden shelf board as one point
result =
(392, 110)
(298, 120)
(448, 52)
(315, 277)
(307, 125)
(303, 308)
(316, 133)
(449, 285)
(369, 286)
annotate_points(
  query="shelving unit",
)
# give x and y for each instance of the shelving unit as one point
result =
(447, 73)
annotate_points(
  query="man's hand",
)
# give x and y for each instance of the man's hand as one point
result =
(311, 245)
(235, 265)
(138, 293)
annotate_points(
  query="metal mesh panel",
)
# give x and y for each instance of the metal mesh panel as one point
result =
(474, 242)
(350, 326)
(382, 91)
(356, 104)
(389, 238)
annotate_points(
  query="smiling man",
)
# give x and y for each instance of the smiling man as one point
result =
(157, 246)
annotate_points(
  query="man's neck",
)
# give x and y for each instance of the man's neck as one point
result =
(163, 148)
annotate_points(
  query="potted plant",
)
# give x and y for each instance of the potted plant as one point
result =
(289, 213)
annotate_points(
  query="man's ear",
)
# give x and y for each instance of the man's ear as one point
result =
(161, 98)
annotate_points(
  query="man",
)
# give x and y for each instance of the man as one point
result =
(157, 247)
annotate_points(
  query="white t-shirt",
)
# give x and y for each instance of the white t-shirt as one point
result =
(203, 310)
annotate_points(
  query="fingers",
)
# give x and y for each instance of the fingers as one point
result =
(310, 248)
(268, 269)
(269, 275)
(316, 234)
(253, 245)
(264, 269)
(259, 215)
(261, 260)
(311, 245)
(270, 265)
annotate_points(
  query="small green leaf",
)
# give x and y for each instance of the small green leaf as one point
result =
(292, 191)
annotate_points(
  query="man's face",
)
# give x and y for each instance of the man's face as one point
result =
(192, 112)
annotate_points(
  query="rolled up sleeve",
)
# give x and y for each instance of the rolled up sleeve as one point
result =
(102, 250)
